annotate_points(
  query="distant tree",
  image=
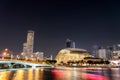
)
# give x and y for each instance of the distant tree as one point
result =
(81, 62)
(53, 61)
(106, 62)
(77, 62)
(50, 61)
(90, 62)
(69, 62)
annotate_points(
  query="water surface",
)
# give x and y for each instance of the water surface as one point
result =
(61, 73)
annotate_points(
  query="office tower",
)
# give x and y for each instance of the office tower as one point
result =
(110, 52)
(73, 44)
(102, 53)
(95, 51)
(30, 41)
(68, 43)
(28, 46)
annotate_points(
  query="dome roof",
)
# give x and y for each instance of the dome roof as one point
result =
(71, 54)
(74, 49)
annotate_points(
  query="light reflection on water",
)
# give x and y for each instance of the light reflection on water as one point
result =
(5, 75)
(115, 73)
(65, 73)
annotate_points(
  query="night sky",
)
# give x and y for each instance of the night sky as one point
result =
(86, 22)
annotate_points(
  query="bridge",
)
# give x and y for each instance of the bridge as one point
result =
(23, 64)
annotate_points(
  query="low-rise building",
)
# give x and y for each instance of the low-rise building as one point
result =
(71, 54)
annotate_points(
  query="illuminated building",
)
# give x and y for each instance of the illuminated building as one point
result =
(39, 55)
(102, 53)
(5, 54)
(116, 54)
(28, 46)
(111, 52)
(71, 54)
(28, 49)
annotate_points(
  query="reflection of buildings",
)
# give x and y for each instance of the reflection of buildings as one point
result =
(114, 72)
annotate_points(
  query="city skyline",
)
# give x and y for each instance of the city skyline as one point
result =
(88, 23)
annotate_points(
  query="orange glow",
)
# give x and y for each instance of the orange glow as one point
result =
(19, 75)
(30, 74)
(37, 73)
(4, 53)
(5, 75)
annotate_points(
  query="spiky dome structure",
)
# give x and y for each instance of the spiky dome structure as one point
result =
(71, 54)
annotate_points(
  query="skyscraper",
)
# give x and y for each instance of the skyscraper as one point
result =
(73, 44)
(102, 53)
(68, 43)
(28, 46)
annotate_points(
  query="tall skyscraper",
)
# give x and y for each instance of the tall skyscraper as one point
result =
(28, 46)
(73, 44)
(102, 53)
(68, 43)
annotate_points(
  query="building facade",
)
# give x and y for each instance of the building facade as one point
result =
(102, 53)
(71, 54)
(28, 46)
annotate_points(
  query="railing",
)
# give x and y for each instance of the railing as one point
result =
(24, 63)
